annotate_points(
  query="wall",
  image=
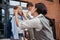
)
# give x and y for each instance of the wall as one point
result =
(53, 12)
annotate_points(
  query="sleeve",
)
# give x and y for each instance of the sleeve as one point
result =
(29, 14)
(33, 23)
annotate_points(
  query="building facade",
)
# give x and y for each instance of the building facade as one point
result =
(53, 7)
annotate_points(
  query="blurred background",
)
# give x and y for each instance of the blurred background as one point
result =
(6, 12)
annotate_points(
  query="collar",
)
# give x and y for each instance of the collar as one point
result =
(40, 15)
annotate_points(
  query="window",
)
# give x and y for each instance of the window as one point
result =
(24, 6)
(3, 15)
(14, 3)
(0, 14)
(11, 12)
(1, 22)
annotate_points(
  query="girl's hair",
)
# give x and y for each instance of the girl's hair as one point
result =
(15, 7)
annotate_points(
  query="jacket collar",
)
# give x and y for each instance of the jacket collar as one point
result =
(40, 15)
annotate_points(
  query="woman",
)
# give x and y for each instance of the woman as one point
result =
(43, 30)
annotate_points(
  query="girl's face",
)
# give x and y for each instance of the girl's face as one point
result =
(20, 10)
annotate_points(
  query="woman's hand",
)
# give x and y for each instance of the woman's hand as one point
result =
(24, 15)
(33, 10)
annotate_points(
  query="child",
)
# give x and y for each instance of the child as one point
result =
(15, 29)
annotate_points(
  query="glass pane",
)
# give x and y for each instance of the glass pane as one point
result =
(14, 3)
(3, 15)
(23, 4)
(2, 11)
(11, 12)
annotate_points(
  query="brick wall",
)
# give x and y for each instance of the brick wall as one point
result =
(53, 12)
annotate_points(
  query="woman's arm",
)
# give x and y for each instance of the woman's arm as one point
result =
(33, 23)
(25, 17)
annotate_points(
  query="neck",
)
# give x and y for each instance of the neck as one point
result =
(35, 14)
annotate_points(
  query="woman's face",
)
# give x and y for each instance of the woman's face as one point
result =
(29, 8)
